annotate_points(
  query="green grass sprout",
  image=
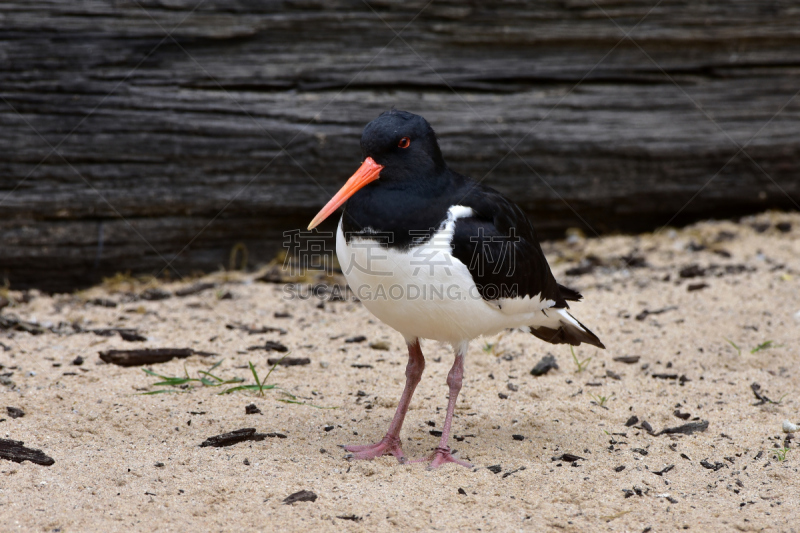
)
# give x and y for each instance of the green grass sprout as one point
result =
(765, 346)
(208, 379)
(205, 379)
(779, 400)
(580, 364)
(739, 350)
(780, 453)
(493, 347)
(601, 400)
(260, 385)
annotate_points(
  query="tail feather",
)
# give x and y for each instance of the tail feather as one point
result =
(569, 294)
(560, 327)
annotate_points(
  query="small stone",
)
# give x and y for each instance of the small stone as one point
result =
(788, 427)
(545, 365)
(275, 346)
(300, 496)
(380, 345)
(568, 457)
(155, 294)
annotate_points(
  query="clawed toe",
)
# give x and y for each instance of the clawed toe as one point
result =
(442, 456)
(387, 446)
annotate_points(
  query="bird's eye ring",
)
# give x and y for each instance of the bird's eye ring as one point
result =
(405, 142)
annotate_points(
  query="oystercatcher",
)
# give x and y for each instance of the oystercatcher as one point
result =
(435, 255)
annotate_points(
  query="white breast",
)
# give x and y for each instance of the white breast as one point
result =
(425, 291)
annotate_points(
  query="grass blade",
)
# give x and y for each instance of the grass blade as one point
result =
(739, 350)
(255, 376)
(248, 388)
(763, 346)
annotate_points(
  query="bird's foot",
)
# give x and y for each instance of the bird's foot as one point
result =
(388, 445)
(442, 456)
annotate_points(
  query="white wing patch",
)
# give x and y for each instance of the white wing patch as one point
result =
(523, 305)
(459, 211)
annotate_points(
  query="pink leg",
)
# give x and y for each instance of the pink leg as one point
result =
(442, 454)
(390, 444)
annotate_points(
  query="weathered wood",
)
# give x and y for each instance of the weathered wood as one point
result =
(13, 450)
(145, 356)
(233, 437)
(289, 361)
(127, 147)
(237, 436)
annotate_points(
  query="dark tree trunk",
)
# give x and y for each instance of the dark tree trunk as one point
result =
(137, 134)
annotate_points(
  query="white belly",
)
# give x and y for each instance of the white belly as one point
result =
(424, 291)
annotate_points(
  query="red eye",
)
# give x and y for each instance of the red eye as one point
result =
(405, 142)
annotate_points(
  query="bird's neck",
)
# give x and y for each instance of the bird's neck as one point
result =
(401, 212)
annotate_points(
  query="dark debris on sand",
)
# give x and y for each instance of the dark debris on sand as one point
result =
(235, 437)
(289, 361)
(13, 450)
(300, 496)
(685, 429)
(567, 457)
(545, 365)
(147, 356)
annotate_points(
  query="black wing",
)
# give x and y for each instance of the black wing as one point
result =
(498, 244)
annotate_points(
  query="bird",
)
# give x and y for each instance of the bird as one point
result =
(436, 255)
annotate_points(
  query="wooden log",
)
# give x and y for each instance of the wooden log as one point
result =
(153, 136)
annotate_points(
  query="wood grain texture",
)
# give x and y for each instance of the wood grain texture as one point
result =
(141, 133)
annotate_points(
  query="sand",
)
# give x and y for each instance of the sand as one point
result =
(129, 461)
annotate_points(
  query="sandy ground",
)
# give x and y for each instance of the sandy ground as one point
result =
(129, 461)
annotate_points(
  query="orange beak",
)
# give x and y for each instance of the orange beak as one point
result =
(368, 172)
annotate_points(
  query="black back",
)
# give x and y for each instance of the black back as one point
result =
(499, 246)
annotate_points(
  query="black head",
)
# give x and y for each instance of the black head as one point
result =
(405, 144)
(400, 154)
